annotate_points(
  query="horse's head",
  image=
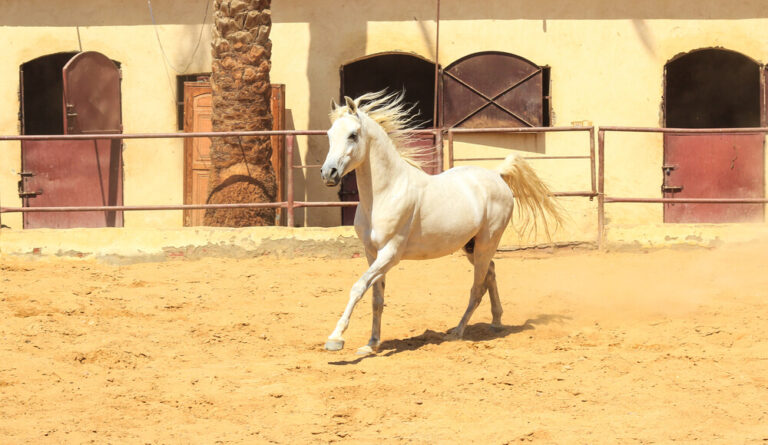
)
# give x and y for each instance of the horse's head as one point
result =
(346, 145)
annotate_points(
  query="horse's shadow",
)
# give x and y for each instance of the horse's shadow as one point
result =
(476, 333)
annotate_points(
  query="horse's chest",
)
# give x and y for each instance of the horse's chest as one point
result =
(380, 232)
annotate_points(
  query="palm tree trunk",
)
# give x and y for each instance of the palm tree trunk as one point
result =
(240, 167)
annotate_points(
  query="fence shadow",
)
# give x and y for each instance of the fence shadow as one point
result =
(476, 333)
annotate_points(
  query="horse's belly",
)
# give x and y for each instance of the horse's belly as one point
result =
(427, 251)
(424, 245)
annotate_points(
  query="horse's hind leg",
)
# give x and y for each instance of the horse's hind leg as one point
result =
(493, 292)
(481, 259)
(490, 285)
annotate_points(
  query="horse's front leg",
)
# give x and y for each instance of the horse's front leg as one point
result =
(378, 309)
(386, 258)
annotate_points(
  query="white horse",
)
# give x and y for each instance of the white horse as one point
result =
(405, 213)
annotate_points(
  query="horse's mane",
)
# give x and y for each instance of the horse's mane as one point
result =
(395, 116)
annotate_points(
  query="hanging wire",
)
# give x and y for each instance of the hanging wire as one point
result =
(160, 43)
(168, 63)
(79, 42)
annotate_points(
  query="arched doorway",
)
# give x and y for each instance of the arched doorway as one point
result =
(394, 71)
(71, 93)
(713, 88)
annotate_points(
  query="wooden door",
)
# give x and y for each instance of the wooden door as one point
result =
(197, 151)
(78, 172)
(197, 158)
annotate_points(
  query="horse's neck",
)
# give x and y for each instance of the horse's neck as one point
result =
(381, 169)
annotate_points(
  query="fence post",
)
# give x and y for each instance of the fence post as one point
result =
(592, 159)
(289, 145)
(439, 149)
(601, 189)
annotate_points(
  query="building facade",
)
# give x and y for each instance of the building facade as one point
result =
(687, 63)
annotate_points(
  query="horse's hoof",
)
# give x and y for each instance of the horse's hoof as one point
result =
(452, 335)
(334, 345)
(497, 327)
(365, 350)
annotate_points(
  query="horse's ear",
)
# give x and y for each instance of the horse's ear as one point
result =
(334, 105)
(351, 105)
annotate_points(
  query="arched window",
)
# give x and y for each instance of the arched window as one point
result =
(495, 89)
(41, 94)
(394, 71)
(712, 88)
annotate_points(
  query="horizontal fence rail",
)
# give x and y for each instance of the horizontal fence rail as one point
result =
(602, 198)
(178, 135)
(522, 130)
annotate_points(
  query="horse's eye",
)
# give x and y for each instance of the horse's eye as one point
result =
(353, 137)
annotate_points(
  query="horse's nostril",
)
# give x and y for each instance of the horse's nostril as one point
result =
(333, 173)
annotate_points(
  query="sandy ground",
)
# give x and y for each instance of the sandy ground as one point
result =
(623, 347)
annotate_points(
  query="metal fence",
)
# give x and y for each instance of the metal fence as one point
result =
(591, 157)
(290, 203)
(603, 199)
(596, 161)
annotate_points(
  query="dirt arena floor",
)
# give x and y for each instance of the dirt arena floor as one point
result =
(622, 347)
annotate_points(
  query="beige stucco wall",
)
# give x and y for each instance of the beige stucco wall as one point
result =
(607, 60)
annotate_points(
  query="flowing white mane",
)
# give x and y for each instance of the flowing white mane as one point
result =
(396, 117)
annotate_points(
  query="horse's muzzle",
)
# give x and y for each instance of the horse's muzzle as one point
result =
(331, 176)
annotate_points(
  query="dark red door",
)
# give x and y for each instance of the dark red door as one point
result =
(713, 166)
(713, 88)
(82, 172)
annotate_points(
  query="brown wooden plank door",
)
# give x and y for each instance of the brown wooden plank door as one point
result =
(197, 151)
(79, 172)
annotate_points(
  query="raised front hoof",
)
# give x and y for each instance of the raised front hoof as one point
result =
(365, 350)
(334, 345)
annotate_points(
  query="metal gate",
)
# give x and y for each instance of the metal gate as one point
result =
(78, 172)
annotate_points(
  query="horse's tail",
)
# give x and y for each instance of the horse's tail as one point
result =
(534, 199)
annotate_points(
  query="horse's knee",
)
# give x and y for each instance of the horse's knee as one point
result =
(358, 289)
